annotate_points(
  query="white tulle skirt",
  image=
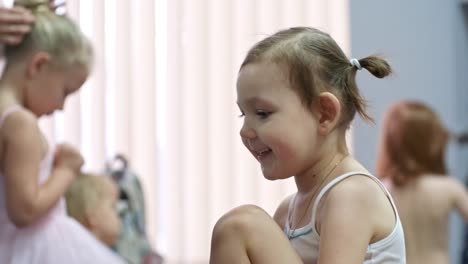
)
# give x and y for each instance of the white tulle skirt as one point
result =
(56, 239)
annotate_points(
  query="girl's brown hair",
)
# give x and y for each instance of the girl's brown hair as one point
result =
(315, 63)
(413, 143)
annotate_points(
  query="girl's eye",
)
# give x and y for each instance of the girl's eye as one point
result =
(241, 115)
(262, 114)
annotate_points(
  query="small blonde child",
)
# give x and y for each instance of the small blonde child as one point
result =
(52, 62)
(92, 201)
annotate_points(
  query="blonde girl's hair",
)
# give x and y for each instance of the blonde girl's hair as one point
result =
(58, 35)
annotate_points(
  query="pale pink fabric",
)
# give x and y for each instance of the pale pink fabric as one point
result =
(55, 238)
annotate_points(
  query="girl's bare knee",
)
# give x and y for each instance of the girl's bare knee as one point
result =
(247, 211)
(240, 221)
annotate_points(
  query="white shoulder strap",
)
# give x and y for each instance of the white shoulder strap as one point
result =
(339, 179)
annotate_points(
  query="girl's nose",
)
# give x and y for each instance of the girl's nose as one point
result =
(247, 132)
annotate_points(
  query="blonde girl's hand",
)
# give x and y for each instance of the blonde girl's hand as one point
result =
(69, 157)
(15, 22)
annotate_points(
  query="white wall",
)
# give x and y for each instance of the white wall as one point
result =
(426, 42)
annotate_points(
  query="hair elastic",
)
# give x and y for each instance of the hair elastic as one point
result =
(355, 63)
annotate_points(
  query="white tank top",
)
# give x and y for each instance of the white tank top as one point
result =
(389, 250)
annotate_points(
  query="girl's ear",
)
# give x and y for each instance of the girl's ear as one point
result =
(328, 108)
(38, 62)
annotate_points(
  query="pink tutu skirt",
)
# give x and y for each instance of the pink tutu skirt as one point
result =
(56, 239)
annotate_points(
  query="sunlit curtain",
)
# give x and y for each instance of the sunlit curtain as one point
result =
(163, 93)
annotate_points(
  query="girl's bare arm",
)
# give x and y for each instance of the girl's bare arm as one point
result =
(24, 150)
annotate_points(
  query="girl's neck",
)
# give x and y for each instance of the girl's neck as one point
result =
(327, 166)
(11, 91)
(324, 171)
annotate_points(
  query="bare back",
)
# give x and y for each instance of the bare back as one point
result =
(424, 206)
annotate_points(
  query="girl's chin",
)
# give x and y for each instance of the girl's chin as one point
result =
(273, 176)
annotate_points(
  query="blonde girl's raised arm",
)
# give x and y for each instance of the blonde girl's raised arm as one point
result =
(26, 200)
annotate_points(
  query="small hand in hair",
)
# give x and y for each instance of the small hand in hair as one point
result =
(69, 157)
(17, 21)
(14, 24)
